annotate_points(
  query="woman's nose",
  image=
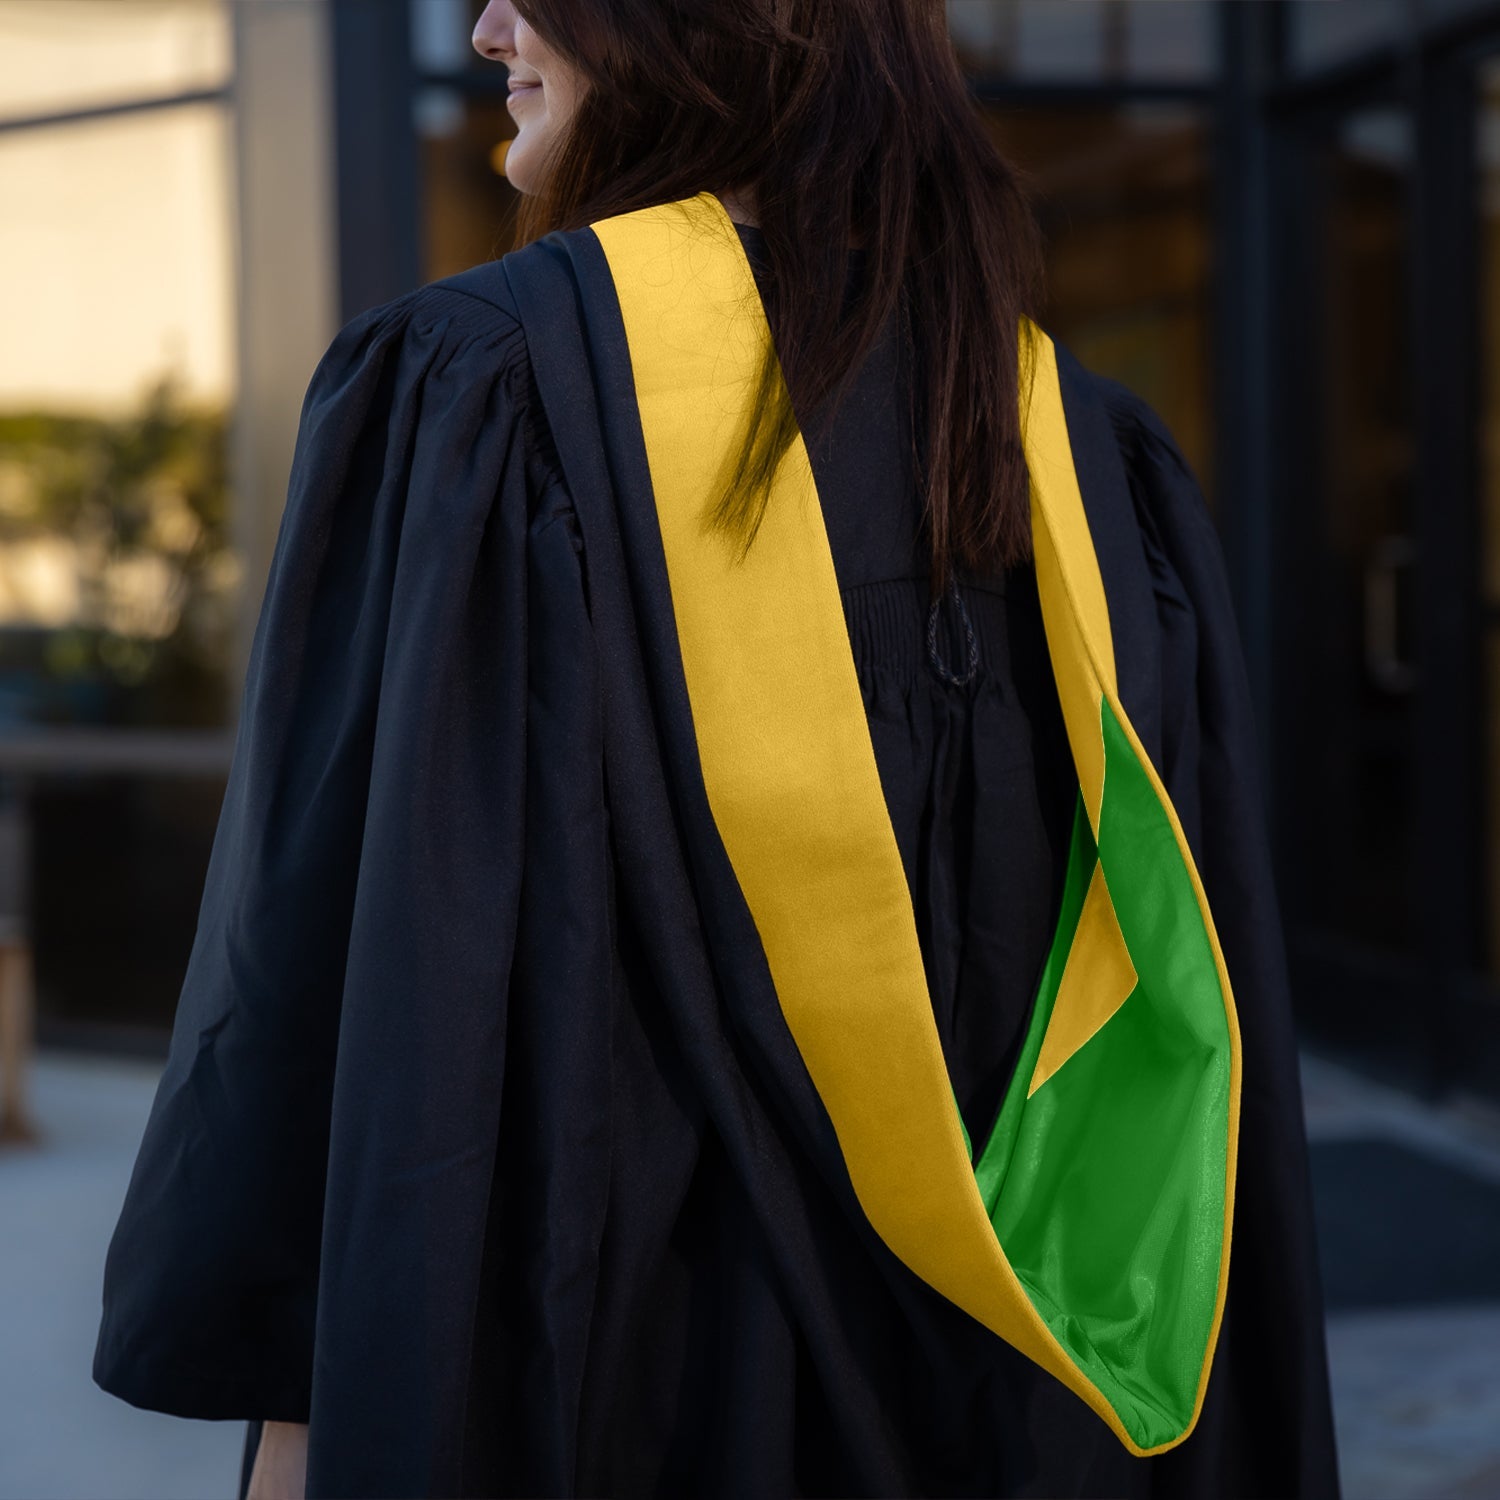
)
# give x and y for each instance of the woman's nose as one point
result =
(495, 31)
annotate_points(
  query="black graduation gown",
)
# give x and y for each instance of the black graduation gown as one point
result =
(482, 1143)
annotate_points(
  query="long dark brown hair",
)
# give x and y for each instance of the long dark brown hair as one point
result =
(845, 121)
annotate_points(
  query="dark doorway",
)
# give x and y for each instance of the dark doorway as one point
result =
(1351, 693)
(1386, 693)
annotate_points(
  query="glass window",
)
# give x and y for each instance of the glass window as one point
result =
(1164, 41)
(440, 35)
(463, 129)
(1359, 696)
(120, 587)
(469, 204)
(115, 245)
(984, 32)
(62, 55)
(1085, 39)
(1487, 148)
(1123, 196)
(1323, 33)
(1443, 10)
(117, 579)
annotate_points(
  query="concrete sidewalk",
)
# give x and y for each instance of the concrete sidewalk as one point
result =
(1417, 1389)
(61, 1437)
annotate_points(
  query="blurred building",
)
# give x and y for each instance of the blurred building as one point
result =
(1280, 222)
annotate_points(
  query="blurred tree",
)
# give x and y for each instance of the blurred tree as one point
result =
(118, 580)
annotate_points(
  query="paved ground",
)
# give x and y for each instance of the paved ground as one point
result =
(61, 1437)
(1418, 1402)
(1417, 1389)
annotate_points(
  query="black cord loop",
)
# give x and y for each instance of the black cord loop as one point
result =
(934, 659)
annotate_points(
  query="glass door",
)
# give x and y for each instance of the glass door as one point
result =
(1388, 627)
(1479, 986)
(1350, 688)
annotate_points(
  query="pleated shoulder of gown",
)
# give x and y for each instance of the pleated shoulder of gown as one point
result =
(368, 851)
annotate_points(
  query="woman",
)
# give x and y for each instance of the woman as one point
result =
(675, 1008)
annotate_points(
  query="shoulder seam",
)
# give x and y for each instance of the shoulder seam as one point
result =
(457, 291)
(502, 319)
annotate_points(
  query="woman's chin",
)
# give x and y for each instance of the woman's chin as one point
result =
(519, 171)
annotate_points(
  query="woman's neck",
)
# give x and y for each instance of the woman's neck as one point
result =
(740, 208)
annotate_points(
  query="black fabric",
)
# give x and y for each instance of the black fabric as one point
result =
(482, 1144)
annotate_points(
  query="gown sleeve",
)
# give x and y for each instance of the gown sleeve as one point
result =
(334, 1068)
(1267, 1414)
